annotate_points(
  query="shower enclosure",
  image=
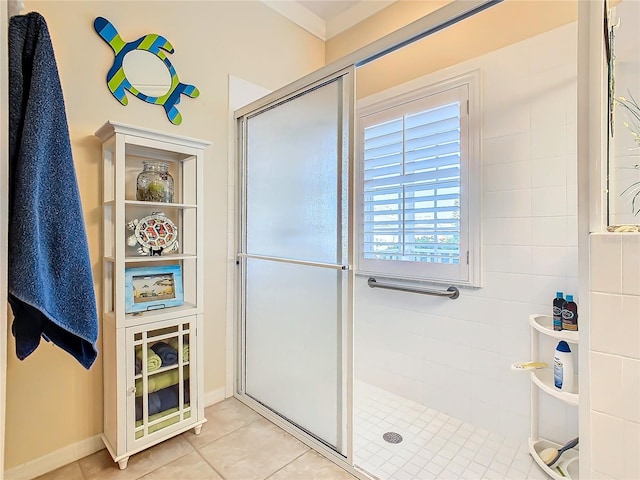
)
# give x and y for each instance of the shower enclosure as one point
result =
(392, 384)
(294, 257)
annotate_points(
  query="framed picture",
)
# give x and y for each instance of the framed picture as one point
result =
(153, 288)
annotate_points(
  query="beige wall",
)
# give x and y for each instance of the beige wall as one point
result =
(495, 28)
(52, 401)
(390, 19)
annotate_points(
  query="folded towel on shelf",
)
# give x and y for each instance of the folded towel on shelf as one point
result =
(173, 342)
(163, 399)
(158, 401)
(160, 380)
(153, 361)
(166, 352)
(167, 398)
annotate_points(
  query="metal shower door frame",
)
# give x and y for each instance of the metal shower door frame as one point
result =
(346, 77)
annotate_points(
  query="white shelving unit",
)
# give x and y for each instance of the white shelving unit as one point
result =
(542, 380)
(148, 399)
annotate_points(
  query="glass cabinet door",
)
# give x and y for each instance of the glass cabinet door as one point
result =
(161, 368)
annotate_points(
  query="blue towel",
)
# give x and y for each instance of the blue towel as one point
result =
(49, 274)
(162, 400)
(166, 352)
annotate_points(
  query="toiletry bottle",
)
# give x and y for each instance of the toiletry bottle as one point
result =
(570, 314)
(563, 372)
(557, 311)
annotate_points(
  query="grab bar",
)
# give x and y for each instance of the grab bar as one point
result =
(451, 292)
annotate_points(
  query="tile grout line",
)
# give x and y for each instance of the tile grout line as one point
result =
(197, 449)
(243, 426)
(289, 463)
(208, 463)
(168, 463)
(228, 433)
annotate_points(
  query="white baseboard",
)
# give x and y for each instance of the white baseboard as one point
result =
(215, 396)
(71, 453)
(51, 461)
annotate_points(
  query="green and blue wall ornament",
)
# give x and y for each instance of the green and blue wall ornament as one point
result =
(117, 79)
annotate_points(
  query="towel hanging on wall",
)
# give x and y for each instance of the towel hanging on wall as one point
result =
(50, 282)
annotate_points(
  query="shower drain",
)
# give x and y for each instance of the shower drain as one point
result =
(392, 437)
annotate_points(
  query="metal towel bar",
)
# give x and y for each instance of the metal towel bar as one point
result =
(451, 292)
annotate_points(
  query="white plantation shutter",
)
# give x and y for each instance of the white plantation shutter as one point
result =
(414, 158)
(412, 187)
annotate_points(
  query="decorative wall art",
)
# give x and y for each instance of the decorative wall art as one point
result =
(117, 80)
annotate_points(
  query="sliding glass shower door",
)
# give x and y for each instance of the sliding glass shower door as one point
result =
(294, 257)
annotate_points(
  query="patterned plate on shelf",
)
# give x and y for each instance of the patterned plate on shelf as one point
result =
(154, 233)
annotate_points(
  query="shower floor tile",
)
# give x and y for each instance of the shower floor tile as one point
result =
(434, 445)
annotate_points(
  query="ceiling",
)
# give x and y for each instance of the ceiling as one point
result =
(326, 9)
(327, 18)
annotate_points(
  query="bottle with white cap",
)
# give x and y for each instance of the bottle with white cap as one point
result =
(563, 370)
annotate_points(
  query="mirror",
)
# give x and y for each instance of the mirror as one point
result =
(624, 141)
(147, 73)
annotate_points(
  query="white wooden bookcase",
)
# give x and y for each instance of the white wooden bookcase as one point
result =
(137, 398)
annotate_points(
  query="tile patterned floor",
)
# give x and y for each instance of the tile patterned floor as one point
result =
(435, 446)
(238, 444)
(235, 444)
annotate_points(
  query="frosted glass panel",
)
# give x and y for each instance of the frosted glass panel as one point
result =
(292, 343)
(292, 178)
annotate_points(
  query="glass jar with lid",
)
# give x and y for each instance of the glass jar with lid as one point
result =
(155, 183)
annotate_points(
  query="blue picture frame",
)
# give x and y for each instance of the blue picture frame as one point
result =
(153, 288)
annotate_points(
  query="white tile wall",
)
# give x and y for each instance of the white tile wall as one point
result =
(455, 356)
(507, 176)
(549, 201)
(549, 172)
(606, 263)
(630, 272)
(550, 231)
(615, 355)
(506, 149)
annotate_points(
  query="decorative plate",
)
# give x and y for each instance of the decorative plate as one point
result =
(154, 233)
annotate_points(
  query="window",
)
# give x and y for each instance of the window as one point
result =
(419, 184)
